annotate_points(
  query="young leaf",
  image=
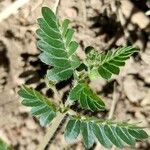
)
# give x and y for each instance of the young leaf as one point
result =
(105, 65)
(57, 46)
(87, 98)
(108, 133)
(41, 106)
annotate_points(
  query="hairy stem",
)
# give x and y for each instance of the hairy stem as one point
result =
(55, 8)
(114, 103)
(51, 131)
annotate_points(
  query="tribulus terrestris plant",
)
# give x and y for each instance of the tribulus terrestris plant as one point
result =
(59, 51)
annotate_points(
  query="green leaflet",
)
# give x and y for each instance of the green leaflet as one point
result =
(98, 131)
(138, 133)
(108, 133)
(41, 106)
(47, 117)
(87, 98)
(72, 130)
(58, 74)
(75, 127)
(4, 146)
(105, 65)
(58, 48)
(113, 137)
(87, 134)
(125, 136)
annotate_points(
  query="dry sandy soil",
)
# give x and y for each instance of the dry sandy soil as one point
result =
(101, 23)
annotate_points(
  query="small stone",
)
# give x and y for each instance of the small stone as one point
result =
(97, 84)
(71, 12)
(25, 132)
(131, 67)
(146, 100)
(132, 90)
(31, 146)
(146, 57)
(145, 74)
(23, 109)
(31, 124)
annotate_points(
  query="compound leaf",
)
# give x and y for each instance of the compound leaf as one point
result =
(107, 64)
(57, 46)
(87, 98)
(42, 107)
(108, 132)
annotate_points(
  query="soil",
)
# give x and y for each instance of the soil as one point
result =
(98, 23)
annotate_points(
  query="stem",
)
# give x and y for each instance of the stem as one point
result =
(55, 8)
(114, 103)
(51, 131)
(112, 109)
(113, 106)
(57, 96)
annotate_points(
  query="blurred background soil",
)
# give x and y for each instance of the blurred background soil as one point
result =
(104, 24)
